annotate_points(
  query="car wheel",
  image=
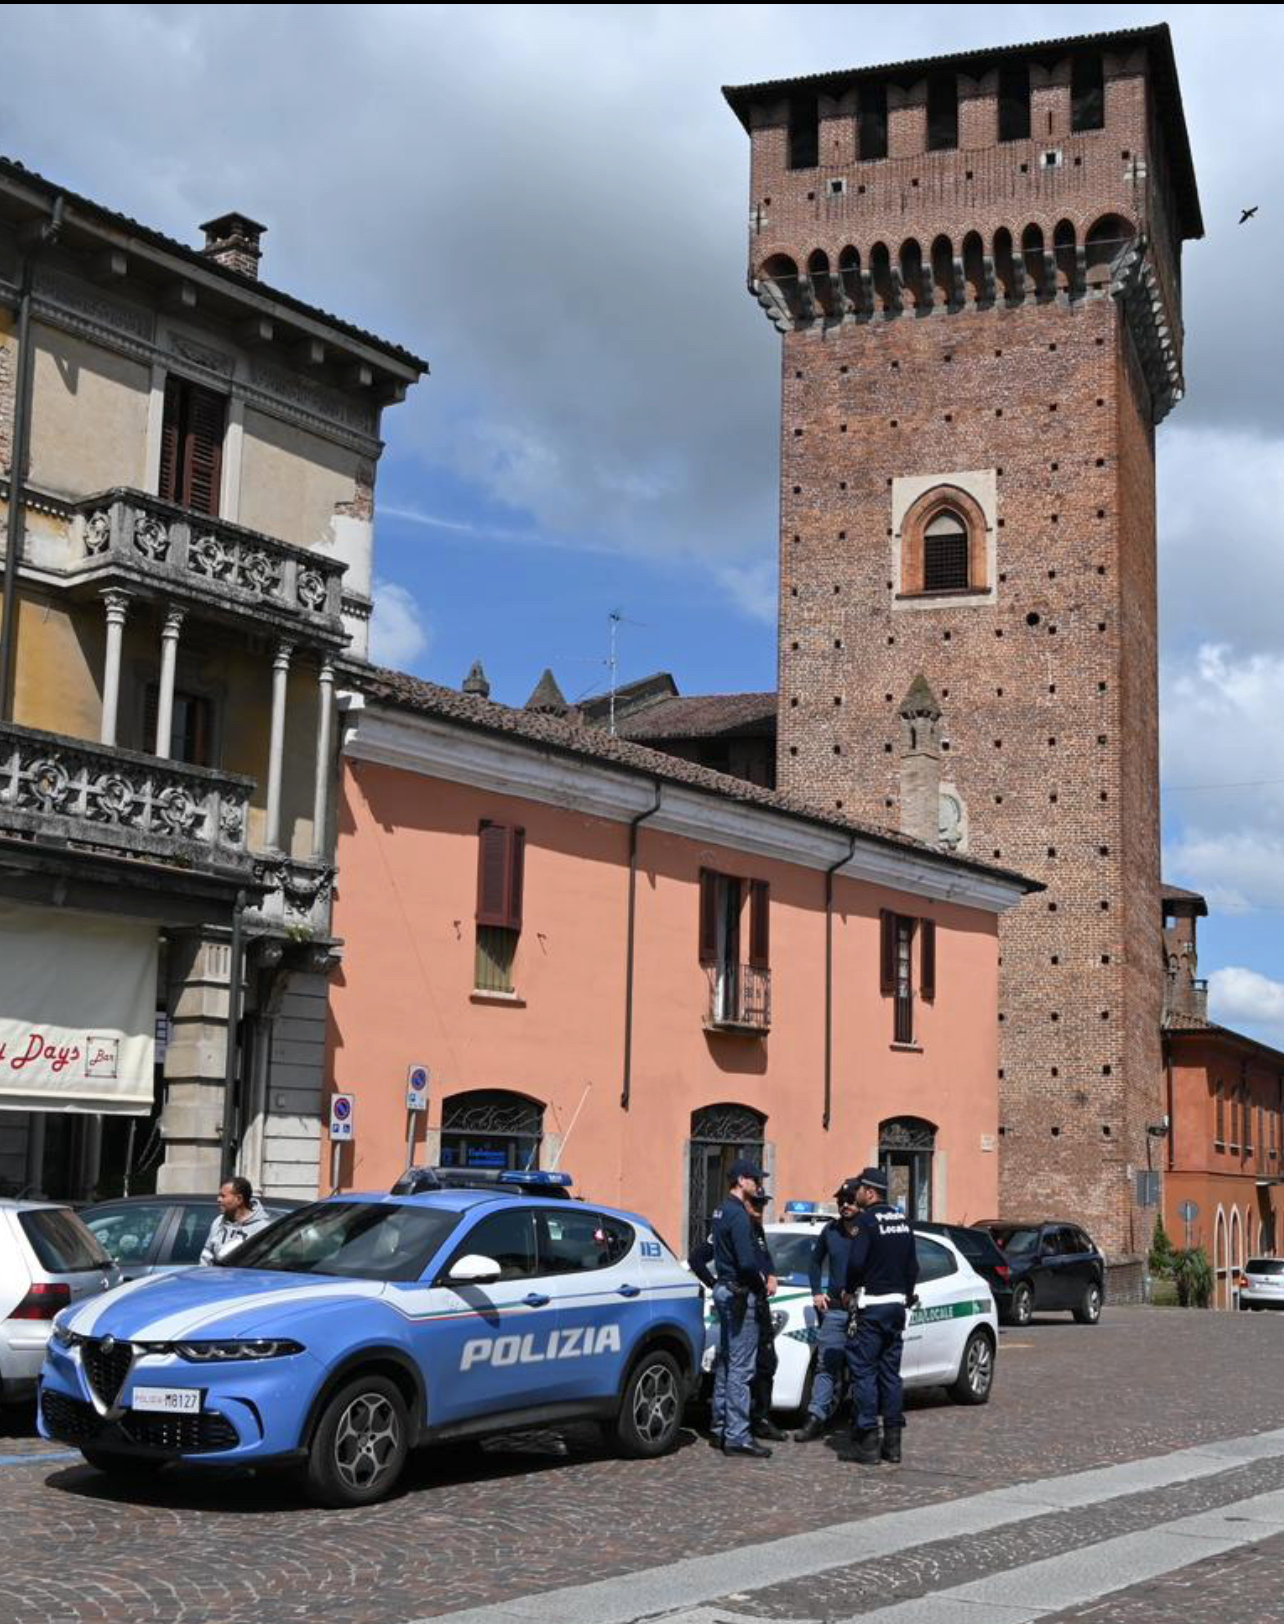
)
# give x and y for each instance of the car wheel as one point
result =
(1022, 1310)
(360, 1444)
(976, 1371)
(651, 1407)
(138, 1468)
(1089, 1310)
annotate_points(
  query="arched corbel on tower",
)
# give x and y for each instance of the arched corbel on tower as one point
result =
(1035, 261)
(776, 288)
(1007, 267)
(1065, 252)
(916, 277)
(1109, 238)
(886, 280)
(849, 274)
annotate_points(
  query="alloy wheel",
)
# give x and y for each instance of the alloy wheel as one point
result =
(366, 1441)
(656, 1404)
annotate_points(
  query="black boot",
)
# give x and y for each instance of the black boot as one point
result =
(765, 1427)
(715, 1440)
(864, 1447)
(892, 1445)
(813, 1429)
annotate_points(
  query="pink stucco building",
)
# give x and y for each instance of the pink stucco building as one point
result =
(630, 967)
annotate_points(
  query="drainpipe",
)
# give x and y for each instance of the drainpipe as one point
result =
(635, 824)
(230, 1123)
(45, 233)
(829, 979)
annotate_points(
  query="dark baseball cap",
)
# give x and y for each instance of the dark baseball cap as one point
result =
(874, 1177)
(846, 1191)
(745, 1170)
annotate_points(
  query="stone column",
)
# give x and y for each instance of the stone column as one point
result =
(117, 607)
(195, 1061)
(276, 747)
(165, 704)
(325, 719)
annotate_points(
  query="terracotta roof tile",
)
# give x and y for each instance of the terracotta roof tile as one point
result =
(694, 716)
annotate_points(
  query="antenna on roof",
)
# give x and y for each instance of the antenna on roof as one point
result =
(617, 619)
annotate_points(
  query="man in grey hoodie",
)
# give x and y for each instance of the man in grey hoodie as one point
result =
(240, 1215)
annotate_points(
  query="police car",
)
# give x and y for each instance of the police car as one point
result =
(357, 1328)
(950, 1339)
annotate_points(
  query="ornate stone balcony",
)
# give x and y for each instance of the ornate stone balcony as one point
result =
(126, 538)
(69, 791)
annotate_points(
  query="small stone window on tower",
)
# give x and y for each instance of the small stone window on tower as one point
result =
(942, 112)
(945, 554)
(1014, 102)
(872, 122)
(1087, 93)
(804, 132)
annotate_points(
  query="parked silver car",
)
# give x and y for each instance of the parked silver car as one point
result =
(1261, 1285)
(48, 1259)
(155, 1234)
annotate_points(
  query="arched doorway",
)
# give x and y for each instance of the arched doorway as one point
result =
(1221, 1296)
(906, 1146)
(720, 1135)
(489, 1127)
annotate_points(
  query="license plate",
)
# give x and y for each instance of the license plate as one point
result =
(168, 1400)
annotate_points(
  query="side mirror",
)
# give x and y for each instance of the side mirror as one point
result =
(473, 1270)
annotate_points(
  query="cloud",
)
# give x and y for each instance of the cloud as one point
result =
(398, 635)
(752, 588)
(1235, 994)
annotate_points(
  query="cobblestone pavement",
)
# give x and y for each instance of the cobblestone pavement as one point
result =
(478, 1527)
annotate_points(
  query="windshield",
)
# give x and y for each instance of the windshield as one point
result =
(1264, 1265)
(361, 1240)
(792, 1254)
(1018, 1241)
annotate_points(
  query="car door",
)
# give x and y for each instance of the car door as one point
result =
(132, 1232)
(1048, 1275)
(931, 1336)
(484, 1348)
(592, 1266)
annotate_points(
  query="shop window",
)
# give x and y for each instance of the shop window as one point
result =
(491, 1128)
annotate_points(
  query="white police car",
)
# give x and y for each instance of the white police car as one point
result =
(950, 1340)
(357, 1328)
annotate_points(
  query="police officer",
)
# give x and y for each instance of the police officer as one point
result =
(740, 1288)
(766, 1363)
(882, 1271)
(828, 1278)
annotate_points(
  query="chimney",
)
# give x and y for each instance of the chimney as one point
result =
(548, 699)
(477, 682)
(233, 240)
(921, 764)
(1185, 992)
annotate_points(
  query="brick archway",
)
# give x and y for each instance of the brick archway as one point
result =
(931, 505)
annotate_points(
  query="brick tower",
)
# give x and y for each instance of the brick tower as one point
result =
(974, 263)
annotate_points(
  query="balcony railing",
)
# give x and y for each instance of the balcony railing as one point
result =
(739, 998)
(126, 535)
(71, 791)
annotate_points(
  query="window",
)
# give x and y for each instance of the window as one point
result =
(873, 121)
(739, 983)
(945, 554)
(1246, 1117)
(572, 1241)
(1219, 1130)
(61, 1242)
(191, 464)
(194, 1224)
(942, 112)
(1014, 102)
(491, 1128)
(804, 132)
(507, 1237)
(358, 1240)
(1087, 93)
(129, 1233)
(501, 853)
(934, 1262)
(897, 967)
(191, 737)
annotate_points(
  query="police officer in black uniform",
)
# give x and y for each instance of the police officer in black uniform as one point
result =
(767, 1362)
(882, 1271)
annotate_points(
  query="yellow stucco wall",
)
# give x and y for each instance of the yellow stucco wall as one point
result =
(60, 660)
(291, 480)
(89, 418)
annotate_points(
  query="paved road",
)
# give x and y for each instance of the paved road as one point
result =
(1122, 1473)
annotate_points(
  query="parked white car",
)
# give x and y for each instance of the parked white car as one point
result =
(1261, 1285)
(950, 1340)
(48, 1260)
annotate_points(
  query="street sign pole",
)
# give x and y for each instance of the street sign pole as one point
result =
(417, 1077)
(334, 1166)
(342, 1126)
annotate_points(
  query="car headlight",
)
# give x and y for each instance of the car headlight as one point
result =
(779, 1319)
(256, 1348)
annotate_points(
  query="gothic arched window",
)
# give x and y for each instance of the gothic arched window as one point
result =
(945, 554)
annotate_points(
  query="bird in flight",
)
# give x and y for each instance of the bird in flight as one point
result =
(1248, 213)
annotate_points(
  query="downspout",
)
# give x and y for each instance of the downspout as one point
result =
(1168, 1105)
(635, 824)
(829, 980)
(230, 1123)
(47, 232)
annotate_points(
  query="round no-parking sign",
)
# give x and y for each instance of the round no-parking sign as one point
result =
(342, 1113)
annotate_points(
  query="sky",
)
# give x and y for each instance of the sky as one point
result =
(549, 203)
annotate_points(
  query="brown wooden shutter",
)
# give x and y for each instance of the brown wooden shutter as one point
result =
(171, 430)
(203, 450)
(927, 959)
(887, 951)
(760, 925)
(492, 874)
(708, 916)
(516, 876)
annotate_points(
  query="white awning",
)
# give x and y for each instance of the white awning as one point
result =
(77, 1011)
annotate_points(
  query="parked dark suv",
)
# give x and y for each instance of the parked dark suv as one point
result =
(1054, 1266)
(981, 1250)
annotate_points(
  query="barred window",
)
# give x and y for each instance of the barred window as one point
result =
(945, 554)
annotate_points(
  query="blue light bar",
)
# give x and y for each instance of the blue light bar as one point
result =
(562, 1179)
(802, 1206)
